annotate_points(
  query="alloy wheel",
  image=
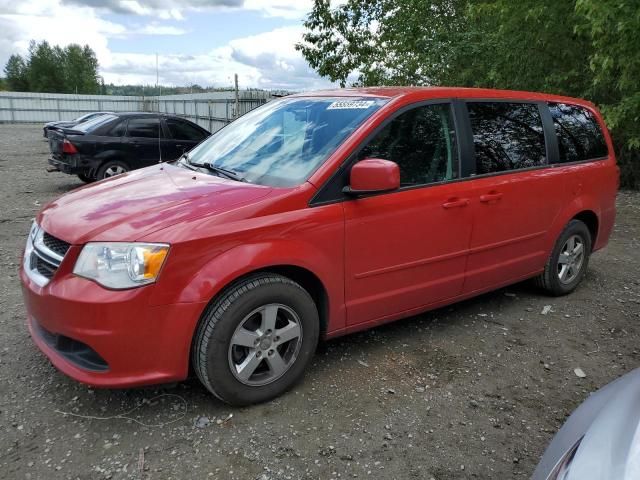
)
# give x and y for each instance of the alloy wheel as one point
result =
(113, 171)
(265, 344)
(571, 259)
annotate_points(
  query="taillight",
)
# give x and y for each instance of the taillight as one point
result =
(68, 147)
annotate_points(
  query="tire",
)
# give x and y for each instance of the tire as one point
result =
(112, 168)
(243, 313)
(550, 280)
(86, 178)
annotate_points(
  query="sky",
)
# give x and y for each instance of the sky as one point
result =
(197, 41)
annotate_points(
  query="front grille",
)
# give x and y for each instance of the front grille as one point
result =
(55, 244)
(43, 256)
(42, 266)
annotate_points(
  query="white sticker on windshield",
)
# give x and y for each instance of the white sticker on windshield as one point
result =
(350, 104)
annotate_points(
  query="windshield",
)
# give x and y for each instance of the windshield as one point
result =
(283, 142)
(93, 123)
(84, 117)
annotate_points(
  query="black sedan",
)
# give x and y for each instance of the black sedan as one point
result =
(70, 123)
(113, 144)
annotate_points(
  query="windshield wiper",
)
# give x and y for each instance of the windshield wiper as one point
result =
(223, 171)
(184, 160)
(212, 168)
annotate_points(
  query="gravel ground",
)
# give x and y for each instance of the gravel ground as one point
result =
(475, 390)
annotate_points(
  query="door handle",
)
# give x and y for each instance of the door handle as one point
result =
(456, 203)
(490, 197)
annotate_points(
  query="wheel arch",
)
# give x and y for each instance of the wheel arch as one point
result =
(590, 219)
(583, 208)
(303, 276)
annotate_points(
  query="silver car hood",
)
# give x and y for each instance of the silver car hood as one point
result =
(609, 424)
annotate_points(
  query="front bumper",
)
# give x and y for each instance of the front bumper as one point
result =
(108, 338)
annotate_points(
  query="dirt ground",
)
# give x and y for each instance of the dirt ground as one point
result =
(475, 390)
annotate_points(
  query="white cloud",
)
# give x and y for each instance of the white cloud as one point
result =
(266, 60)
(175, 9)
(157, 29)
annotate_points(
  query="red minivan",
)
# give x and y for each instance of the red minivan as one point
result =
(315, 215)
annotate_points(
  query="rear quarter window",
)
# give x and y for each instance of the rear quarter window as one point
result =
(580, 137)
(181, 130)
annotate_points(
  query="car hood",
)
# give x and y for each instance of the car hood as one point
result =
(608, 423)
(132, 205)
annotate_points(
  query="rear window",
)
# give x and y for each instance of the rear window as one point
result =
(506, 136)
(92, 124)
(579, 135)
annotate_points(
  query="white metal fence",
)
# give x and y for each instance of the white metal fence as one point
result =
(210, 110)
(46, 107)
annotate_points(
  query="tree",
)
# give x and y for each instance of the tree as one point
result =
(45, 68)
(80, 69)
(382, 41)
(582, 48)
(16, 74)
(614, 30)
(73, 69)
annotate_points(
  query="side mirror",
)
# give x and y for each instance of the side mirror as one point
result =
(373, 175)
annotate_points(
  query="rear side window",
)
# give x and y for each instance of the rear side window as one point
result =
(181, 130)
(579, 135)
(506, 136)
(118, 129)
(89, 126)
(144, 127)
(422, 142)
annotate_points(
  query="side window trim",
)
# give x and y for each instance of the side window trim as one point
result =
(332, 188)
(469, 134)
(164, 128)
(465, 139)
(550, 137)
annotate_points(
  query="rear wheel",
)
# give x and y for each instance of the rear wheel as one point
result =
(111, 169)
(86, 178)
(255, 341)
(568, 261)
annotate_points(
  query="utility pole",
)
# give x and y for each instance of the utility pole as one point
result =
(157, 74)
(237, 97)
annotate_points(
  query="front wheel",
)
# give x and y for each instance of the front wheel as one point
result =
(255, 341)
(568, 261)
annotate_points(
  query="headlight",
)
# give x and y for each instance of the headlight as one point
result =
(121, 265)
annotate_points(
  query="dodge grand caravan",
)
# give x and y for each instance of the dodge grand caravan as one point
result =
(310, 217)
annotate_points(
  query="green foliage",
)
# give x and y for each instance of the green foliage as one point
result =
(386, 41)
(16, 73)
(581, 48)
(613, 26)
(73, 69)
